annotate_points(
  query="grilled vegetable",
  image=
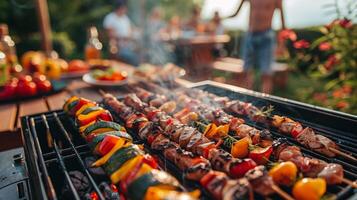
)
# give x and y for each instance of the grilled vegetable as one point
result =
(129, 165)
(138, 188)
(74, 104)
(210, 130)
(309, 189)
(119, 144)
(261, 155)
(158, 193)
(120, 157)
(240, 149)
(93, 114)
(238, 169)
(284, 173)
(102, 127)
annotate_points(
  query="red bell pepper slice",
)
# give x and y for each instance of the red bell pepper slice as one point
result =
(107, 144)
(240, 169)
(295, 132)
(261, 155)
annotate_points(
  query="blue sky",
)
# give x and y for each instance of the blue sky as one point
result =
(298, 13)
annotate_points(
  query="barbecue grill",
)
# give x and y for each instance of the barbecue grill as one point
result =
(52, 156)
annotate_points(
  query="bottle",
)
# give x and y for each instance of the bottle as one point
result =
(7, 46)
(4, 69)
(94, 46)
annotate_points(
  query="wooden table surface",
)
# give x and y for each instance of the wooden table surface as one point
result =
(10, 114)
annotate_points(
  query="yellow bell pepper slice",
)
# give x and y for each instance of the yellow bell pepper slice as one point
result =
(222, 130)
(145, 168)
(82, 128)
(123, 170)
(106, 157)
(70, 100)
(85, 106)
(210, 130)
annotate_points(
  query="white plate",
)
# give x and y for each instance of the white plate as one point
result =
(92, 81)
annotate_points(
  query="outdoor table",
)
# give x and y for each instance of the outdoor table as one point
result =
(198, 53)
(11, 113)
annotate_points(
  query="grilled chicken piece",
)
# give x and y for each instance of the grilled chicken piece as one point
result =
(145, 130)
(290, 153)
(158, 101)
(133, 101)
(220, 160)
(236, 107)
(315, 142)
(237, 190)
(216, 185)
(186, 135)
(332, 173)
(160, 143)
(310, 167)
(243, 130)
(260, 180)
(287, 126)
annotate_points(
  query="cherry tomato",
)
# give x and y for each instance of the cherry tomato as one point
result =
(44, 86)
(9, 90)
(240, 169)
(261, 155)
(26, 89)
(25, 78)
(37, 77)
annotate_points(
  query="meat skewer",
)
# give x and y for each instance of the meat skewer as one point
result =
(338, 169)
(284, 124)
(219, 159)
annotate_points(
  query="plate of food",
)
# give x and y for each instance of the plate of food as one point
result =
(106, 78)
(29, 87)
(166, 73)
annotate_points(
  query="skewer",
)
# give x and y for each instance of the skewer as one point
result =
(343, 154)
(281, 192)
(349, 182)
(101, 92)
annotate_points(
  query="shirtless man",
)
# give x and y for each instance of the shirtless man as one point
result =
(259, 42)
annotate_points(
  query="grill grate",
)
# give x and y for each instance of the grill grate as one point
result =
(52, 153)
(50, 161)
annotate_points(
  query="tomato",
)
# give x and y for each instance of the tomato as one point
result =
(284, 173)
(261, 155)
(107, 144)
(37, 77)
(309, 189)
(9, 90)
(241, 168)
(44, 86)
(26, 89)
(295, 132)
(25, 78)
(77, 66)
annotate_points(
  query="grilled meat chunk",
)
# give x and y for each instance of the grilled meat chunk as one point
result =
(260, 180)
(332, 173)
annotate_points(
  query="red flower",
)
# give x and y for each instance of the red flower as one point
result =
(331, 62)
(345, 23)
(287, 34)
(325, 46)
(301, 44)
(342, 104)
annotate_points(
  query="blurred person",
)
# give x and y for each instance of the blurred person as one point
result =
(195, 23)
(215, 27)
(259, 42)
(157, 52)
(121, 30)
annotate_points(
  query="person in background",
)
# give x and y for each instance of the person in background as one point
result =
(195, 23)
(120, 30)
(157, 52)
(259, 42)
(215, 27)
